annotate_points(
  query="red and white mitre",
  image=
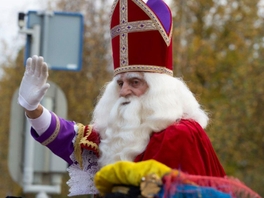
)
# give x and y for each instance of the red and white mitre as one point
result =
(141, 36)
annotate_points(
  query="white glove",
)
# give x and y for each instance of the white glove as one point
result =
(34, 83)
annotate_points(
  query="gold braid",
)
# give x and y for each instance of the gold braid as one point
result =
(77, 146)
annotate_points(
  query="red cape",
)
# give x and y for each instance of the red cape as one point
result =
(185, 146)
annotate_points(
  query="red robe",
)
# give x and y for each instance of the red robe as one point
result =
(185, 146)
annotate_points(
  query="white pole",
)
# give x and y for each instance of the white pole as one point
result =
(28, 171)
(28, 157)
(42, 195)
(28, 175)
(29, 142)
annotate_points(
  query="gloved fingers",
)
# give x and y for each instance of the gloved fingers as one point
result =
(44, 89)
(34, 64)
(39, 65)
(45, 70)
(46, 86)
(28, 65)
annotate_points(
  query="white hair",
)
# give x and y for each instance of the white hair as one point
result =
(175, 99)
(125, 129)
(103, 108)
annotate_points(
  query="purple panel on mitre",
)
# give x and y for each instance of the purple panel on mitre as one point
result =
(162, 11)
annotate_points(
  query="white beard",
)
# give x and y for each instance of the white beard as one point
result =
(125, 137)
(125, 129)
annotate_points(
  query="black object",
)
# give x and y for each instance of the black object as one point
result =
(12, 197)
(133, 192)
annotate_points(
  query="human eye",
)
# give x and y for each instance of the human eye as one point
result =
(135, 82)
(120, 83)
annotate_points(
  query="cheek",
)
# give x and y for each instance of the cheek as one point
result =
(142, 90)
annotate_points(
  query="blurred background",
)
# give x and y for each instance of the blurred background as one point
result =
(218, 51)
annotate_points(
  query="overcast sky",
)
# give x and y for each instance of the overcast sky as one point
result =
(9, 10)
(9, 34)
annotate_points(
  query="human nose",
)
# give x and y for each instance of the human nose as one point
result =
(125, 90)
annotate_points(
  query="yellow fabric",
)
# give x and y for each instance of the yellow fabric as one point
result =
(127, 173)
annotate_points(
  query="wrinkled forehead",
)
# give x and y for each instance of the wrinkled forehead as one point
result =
(129, 75)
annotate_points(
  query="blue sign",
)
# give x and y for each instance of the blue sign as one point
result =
(61, 38)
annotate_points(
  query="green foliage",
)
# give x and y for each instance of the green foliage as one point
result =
(218, 48)
(12, 74)
(81, 88)
(218, 51)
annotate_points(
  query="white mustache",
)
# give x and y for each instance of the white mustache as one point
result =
(124, 101)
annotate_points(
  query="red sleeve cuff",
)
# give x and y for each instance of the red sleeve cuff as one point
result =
(90, 140)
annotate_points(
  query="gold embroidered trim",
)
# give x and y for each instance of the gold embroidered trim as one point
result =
(148, 11)
(54, 134)
(143, 68)
(77, 147)
(113, 8)
(137, 26)
(89, 131)
(124, 36)
(154, 18)
(81, 139)
(85, 141)
(89, 143)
